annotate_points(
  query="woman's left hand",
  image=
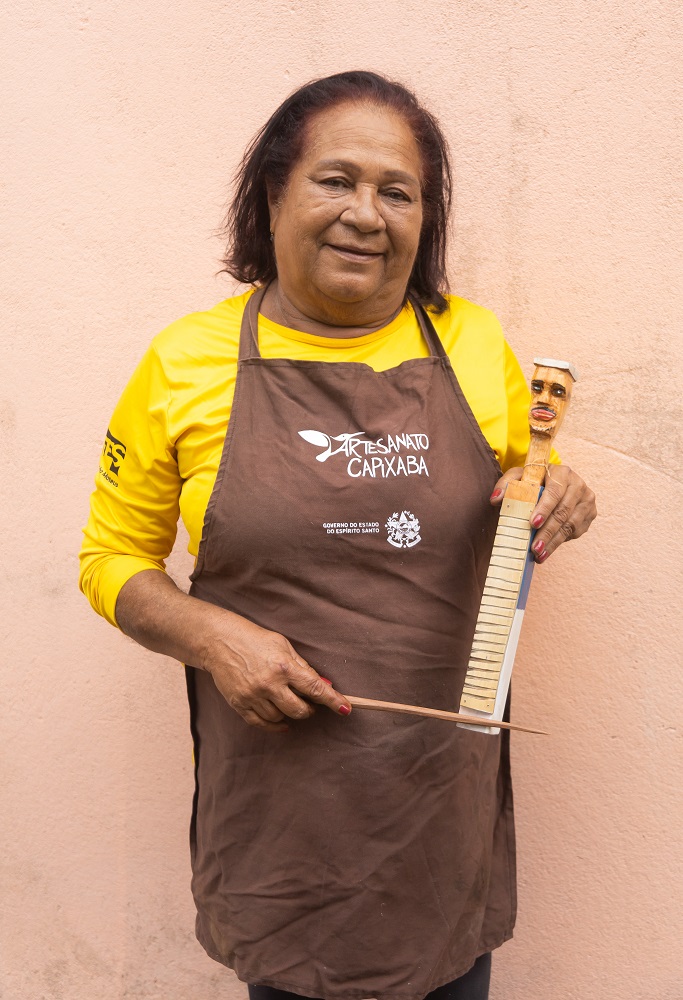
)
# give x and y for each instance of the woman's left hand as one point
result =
(565, 510)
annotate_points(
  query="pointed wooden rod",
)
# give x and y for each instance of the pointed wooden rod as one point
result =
(436, 713)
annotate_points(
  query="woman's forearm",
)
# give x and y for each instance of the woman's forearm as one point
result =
(154, 612)
(257, 671)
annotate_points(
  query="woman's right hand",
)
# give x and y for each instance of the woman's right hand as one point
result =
(263, 678)
(258, 672)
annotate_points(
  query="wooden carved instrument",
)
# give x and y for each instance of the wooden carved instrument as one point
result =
(509, 575)
(507, 582)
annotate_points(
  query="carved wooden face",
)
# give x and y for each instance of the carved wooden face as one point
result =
(551, 390)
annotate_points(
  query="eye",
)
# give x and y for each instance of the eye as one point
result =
(394, 194)
(558, 390)
(536, 386)
(336, 183)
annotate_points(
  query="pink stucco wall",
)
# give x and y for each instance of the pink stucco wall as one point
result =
(124, 123)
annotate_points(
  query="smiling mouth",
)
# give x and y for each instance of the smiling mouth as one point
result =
(355, 253)
(542, 413)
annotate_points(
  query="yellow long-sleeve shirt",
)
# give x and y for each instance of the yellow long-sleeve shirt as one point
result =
(166, 435)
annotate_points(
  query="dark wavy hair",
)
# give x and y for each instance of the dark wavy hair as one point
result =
(275, 149)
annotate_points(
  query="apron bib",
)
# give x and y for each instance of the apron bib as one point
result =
(368, 856)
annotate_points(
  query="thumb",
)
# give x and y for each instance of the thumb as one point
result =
(511, 476)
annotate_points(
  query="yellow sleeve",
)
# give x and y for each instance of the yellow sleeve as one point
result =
(518, 398)
(134, 509)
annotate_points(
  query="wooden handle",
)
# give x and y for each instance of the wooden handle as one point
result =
(435, 713)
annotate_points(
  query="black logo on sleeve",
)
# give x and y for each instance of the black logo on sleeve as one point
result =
(114, 452)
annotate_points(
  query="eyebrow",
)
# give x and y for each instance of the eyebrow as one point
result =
(352, 168)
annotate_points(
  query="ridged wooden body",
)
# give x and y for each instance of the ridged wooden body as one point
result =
(502, 605)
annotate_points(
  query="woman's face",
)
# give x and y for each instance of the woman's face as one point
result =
(347, 226)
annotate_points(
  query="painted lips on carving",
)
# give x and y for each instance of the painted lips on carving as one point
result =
(543, 413)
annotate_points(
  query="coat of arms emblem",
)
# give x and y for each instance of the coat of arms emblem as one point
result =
(403, 530)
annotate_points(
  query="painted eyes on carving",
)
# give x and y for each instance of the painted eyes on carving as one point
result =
(555, 388)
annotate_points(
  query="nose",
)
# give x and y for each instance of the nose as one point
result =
(363, 210)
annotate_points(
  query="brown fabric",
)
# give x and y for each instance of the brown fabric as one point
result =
(368, 856)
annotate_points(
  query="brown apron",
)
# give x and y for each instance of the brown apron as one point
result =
(368, 856)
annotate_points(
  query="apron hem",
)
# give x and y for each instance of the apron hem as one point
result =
(345, 994)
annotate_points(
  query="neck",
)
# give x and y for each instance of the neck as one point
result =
(537, 458)
(346, 322)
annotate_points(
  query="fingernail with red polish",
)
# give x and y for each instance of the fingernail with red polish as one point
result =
(538, 547)
(495, 494)
(326, 681)
(344, 710)
(537, 521)
(543, 556)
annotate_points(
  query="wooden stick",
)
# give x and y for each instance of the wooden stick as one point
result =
(436, 713)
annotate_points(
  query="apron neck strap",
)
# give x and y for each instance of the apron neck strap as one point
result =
(436, 348)
(249, 331)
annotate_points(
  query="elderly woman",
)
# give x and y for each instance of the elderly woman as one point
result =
(334, 441)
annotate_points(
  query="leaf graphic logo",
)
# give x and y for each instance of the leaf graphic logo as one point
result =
(320, 440)
(345, 442)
